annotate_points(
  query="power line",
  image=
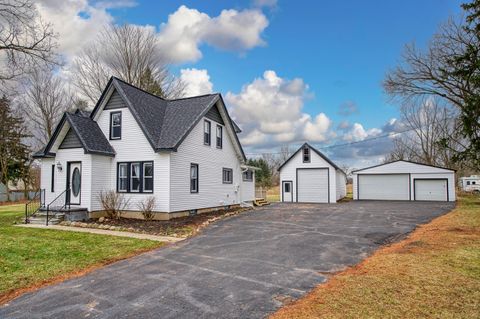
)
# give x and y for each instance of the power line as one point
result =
(346, 144)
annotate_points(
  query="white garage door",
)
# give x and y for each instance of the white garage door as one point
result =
(312, 185)
(431, 189)
(384, 187)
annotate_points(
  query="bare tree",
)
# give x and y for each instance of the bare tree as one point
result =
(26, 42)
(129, 53)
(429, 122)
(45, 100)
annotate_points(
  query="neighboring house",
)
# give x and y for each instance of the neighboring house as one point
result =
(184, 152)
(403, 180)
(471, 183)
(308, 176)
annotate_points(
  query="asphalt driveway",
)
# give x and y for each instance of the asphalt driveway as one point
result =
(241, 267)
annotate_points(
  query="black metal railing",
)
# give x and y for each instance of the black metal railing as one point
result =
(60, 202)
(37, 202)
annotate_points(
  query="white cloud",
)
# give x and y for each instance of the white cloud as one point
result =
(358, 133)
(186, 29)
(265, 3)
(197, 81)
(270, 107)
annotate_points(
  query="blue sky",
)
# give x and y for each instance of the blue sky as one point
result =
(323, 55)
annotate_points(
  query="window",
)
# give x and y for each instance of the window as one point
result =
(123, 177)
(227, 176)
(52, 186)
(468, 182)
(306, 155)
(286, 187)
(135, 177)
(206, 132)
(193, 178)
(473, 182)
(248, 176)
(219, 136)
(115, 125)
(148, 177)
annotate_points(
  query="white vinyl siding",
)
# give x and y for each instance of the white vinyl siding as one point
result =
(312, 186)
(384, 187)
(430, 189)
(248, 189)
(134, 147)
(211, 190)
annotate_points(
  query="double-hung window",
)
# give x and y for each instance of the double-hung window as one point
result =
(248, 176)
(123, 177)
(207, 125)
(148, 177)
(115, 125)
(306, 155)
(219, 136)
(135, 177)
(52, 185)
(227, 174)
(193, 178)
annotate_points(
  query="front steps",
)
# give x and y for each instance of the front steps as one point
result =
(57, 215)
(260, 202)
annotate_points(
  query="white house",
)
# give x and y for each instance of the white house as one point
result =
(308, 176)
(184, 152)
(470, 183)
(403, 180)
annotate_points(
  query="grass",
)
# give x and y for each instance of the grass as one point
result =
(434, 273)
(33, 257)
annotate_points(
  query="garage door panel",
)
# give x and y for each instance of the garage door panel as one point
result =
(384, 187)
(431, 189)
(312, 185)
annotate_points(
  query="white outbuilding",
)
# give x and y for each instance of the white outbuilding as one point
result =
(308, 176)
(404, 180)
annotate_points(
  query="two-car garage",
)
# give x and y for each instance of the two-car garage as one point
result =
(402, 180)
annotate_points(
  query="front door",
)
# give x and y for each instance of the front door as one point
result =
(287, 191)
(74, 182)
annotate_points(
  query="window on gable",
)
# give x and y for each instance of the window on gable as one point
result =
(473, 183)
(219, 136)
(468, 182)
(306, 155)
(248, 176)
(227, 176)
(115, 125)
(193, 178)
(135, 177)
(207, 132)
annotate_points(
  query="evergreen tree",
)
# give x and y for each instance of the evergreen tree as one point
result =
(263, 177)
(14, 153)
(149, 84)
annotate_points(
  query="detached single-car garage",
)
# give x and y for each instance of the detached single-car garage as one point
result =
(403, 180)
(308, 176)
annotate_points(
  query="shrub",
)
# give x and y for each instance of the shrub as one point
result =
(113, 203)
(146, 207)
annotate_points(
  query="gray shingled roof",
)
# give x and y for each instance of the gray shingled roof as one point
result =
(316, 151)
(88, 132)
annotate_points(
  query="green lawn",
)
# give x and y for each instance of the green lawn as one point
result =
(30, 257)
(435, 273)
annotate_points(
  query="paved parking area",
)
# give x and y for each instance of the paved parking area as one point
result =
(240, 267)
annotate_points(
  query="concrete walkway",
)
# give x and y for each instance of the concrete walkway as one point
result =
(106, 232)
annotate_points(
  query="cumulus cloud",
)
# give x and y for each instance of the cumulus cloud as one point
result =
(270, 109)
(232, 30)
(197, 81)
(79, 21)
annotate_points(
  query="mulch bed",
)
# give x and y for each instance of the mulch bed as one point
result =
(177, 227)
